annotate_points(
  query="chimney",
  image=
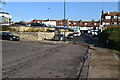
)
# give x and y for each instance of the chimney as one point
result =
(102, 12)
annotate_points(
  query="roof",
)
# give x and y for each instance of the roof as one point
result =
(4, 13)
(112, 13)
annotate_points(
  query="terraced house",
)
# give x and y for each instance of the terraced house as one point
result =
(110, 19)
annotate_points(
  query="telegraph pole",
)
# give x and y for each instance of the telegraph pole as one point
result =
(64, 18)
(64, 10)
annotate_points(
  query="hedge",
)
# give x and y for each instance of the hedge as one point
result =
(111, 37)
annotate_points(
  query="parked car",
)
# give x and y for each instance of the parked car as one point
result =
(89, 34)
(70, 36)
(8, 36)
(62, 37)
(76, 34)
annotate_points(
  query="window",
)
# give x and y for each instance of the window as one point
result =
(115, 17)
(107, 23)
(115, 23)
(92, 23)
(38, 21)
(85, 23)
(107, 17)
(69, 22)
(95, 23)
(118, 17)
(74, 23)
(59, 22)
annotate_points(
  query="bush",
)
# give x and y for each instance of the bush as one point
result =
(39, 30)
(30, 30)
(111, 37)
(35, 30)
(4, 28)
(48, 30)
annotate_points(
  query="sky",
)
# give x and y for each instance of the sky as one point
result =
(85, 11)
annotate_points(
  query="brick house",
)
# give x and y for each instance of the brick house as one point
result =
(61, 23)
(110, 18)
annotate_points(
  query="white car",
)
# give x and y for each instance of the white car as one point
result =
(76, 34)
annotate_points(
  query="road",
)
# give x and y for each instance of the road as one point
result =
(41, 60)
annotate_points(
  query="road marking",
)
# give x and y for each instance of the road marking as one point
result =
(116, 56)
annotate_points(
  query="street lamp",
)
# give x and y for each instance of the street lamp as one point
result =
(49, 12)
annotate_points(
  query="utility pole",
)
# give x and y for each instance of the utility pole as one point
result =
(64, 18)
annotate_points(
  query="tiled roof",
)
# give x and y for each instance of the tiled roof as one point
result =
(112, 13)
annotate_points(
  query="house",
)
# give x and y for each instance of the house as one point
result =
(48, 22)
(84, 26)
(110, 18)
(5, 19)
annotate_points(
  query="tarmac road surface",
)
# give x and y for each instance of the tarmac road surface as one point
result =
(41, 60)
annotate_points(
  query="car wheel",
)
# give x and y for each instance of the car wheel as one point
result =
(11, 39)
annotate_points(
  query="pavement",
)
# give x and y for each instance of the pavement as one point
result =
(103, 63)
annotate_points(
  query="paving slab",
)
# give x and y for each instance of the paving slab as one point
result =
(103, 63)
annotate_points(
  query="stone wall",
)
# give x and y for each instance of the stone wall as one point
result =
(36, 36)
(23, 29)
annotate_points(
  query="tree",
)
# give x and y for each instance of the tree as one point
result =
(23, 23)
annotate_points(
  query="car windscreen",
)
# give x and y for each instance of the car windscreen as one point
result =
(70, 34)
(6, 33)
(10, 34)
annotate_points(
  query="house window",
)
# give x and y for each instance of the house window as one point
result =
(74, 23)
(115, 23)
(59, 22)
(85, 23)
(107, 17)
(95, 23)
(69, 22)
(92, 23)
(118, 17)
(107, 23)
(38, 21)
(115, 17)
(103, 23)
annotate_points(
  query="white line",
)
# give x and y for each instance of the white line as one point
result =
(116, 56)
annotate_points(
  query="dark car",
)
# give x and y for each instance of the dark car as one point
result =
(70, 36)
(59, 37)
(8, 36)
(62, 37)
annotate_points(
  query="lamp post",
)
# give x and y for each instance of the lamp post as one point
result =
(49, 12)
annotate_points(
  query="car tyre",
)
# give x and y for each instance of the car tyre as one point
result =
(11, 39)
